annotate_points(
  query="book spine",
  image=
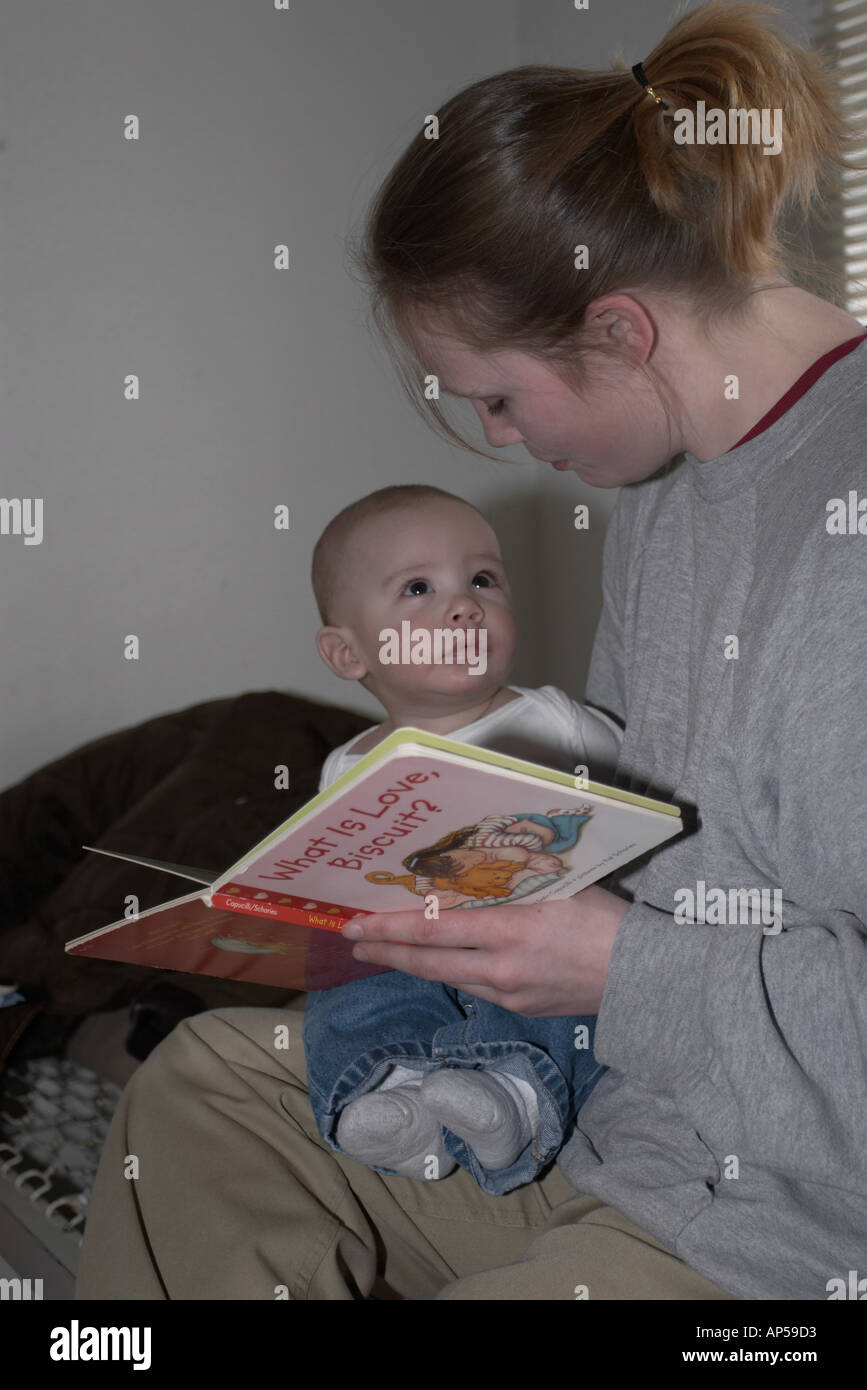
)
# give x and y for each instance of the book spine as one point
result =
(280, 912)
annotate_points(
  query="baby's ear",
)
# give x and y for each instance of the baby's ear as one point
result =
(337, 648)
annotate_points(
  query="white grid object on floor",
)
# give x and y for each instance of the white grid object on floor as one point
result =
(54, 1116)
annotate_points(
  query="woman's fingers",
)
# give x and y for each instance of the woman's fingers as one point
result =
(427, 962)
(541, 959)
(459, 949)
(474, 929)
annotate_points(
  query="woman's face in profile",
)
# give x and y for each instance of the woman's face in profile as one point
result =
(615, 432)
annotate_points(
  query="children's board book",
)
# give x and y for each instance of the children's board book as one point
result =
(420, 822)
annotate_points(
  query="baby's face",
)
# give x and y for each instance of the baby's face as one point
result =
(438, 566)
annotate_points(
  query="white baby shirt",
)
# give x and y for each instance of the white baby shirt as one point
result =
(542, 726)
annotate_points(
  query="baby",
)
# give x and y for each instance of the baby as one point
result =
(409, 1076)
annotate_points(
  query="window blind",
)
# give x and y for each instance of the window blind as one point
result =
(840, 31)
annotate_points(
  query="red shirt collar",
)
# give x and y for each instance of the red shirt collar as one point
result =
(801, 386)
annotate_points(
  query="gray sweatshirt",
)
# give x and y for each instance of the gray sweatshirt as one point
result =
(733, 1122)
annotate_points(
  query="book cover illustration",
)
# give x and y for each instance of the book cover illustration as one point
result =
(500, 860)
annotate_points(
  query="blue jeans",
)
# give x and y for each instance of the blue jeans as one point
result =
(356, 1033)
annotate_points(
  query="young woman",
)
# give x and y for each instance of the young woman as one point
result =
(615, 298)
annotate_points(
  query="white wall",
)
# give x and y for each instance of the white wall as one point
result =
(258, 387)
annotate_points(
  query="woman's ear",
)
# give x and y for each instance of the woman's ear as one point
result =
(624, 318)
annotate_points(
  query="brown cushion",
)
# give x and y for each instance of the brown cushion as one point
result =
(193, 787)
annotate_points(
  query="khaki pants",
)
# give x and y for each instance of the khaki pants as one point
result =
(237, 1197)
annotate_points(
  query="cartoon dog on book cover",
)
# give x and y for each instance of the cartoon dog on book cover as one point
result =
(500, 859)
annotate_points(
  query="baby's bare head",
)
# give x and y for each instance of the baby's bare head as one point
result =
(348, 557)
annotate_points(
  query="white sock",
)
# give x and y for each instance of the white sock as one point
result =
(495, 1113)
(391, 1127)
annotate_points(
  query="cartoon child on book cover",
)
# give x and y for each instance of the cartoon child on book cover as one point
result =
(501, 859)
